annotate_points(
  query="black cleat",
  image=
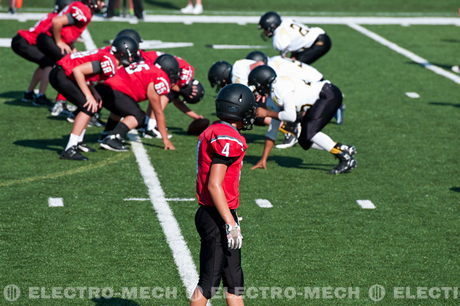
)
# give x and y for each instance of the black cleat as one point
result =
(349, 149)
(42, 100)
(83, 147)
(29, 96)
(346, 163)
(113, 143)
(72, 153)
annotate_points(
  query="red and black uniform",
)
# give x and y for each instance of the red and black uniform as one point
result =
(122, 93)
(104, 66)
(25, 42)
(79, 16)
(220, 143)
(186, 71)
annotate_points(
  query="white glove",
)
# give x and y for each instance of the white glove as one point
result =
(234, 237)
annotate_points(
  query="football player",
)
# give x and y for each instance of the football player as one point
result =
(25, 45)
(221, 149)
(303, 43)
(187, 91)
(315, 103)
(143, 80)
(70, 76)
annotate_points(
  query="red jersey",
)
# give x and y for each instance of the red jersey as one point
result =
(135, 79)
(107, 61)
(82, 16)
(41, 26)
(187, 72)
(220, 139)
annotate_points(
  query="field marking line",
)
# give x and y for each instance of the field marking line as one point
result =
(410, 55)
(88, 40)
(167, 199)
(264, 203)
(366, 204)
(181, 253)
(236, 46)
(413, 95)
(55, 202)
(241, 20)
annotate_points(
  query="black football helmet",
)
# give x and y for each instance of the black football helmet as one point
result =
(262, 78)
(236, 103)
(94, 5)
(169, 64)
(269, 22)
(125, 49)
(61, 4)
(257, 56)
(130, 33)
(220, 74)
(187, 91)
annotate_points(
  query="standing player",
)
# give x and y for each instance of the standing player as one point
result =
(316, 104)
(304, 43)
(25, 45)
(70, 76)
(221, 150)
(136, 83)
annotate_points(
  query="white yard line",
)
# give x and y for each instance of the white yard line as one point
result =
(188, 19)
(5, 42)
(88, 40)
(181, 253)
(167, 199)
(410, 55)
(366, 204)
(55, 202)
(413, 95)
(263, 203)
(236, 46)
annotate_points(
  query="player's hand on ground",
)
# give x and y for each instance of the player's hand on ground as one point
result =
(91, 104)
(234, 237)
(65, 48)
(261, 164)
(168, 145)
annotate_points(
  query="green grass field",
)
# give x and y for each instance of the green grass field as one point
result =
(315, 235)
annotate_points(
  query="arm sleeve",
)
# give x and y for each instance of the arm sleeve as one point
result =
(96, 66)
(70, 19)
(219, 159)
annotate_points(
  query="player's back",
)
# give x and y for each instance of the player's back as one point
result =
(291, 67)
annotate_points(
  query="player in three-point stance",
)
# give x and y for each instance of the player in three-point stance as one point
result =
(220, 150)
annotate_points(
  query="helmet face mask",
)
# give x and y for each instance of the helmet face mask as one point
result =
(269, 22)
(220, 74)
(125, 49)
(169, 64)
(235, 103)
(190, 96)
(95, 5)
(261, 79)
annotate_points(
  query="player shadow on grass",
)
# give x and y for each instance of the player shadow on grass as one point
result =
(456, 189)
(54, 144)
(162, 4)
(445, 104)
(114, 302)
(289, 162)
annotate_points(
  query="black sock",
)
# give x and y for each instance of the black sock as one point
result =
(111, 124)
(121, 129)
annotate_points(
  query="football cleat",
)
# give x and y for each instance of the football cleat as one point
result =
(29, 96)
(187, 10)
(153, 133)
(83, 147)
(102, 136)
(346, 163)
(289, 141)
(57, 108)
(96, 120)
(42, 100)
(113, 143)
(349, 149)
(72, 153)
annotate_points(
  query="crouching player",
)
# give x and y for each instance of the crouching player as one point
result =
(221, 150)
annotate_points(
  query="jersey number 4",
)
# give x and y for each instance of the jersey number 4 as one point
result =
(226, 149)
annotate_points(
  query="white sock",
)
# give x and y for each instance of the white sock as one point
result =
(316, 147)
(73, 141)
(323, 141)
(80, 138)
(151, 124)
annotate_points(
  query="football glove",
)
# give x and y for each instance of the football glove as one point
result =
(234, 237)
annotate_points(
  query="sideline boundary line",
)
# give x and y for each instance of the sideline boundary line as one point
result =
(242, 20)
(410, 55)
